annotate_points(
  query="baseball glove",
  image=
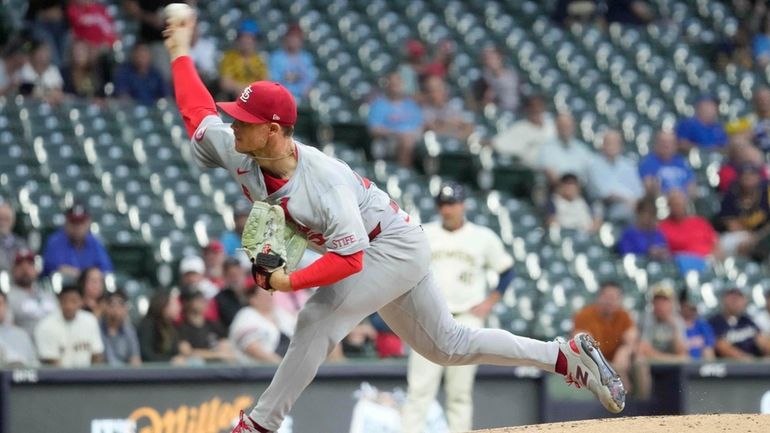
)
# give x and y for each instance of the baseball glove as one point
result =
(269, 243)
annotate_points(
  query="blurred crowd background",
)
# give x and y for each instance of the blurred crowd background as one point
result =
(619, 149)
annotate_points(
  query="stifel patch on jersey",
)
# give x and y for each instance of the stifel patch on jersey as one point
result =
(344, 241)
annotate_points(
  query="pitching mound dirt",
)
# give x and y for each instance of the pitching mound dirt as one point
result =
(652, 424)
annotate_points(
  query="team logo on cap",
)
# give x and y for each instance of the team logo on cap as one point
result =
(276, 117)
(246, 93)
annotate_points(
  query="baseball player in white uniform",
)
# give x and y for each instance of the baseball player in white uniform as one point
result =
(374, 257)
(461, 254)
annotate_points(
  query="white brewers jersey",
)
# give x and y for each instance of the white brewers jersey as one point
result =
(460, 260)
(326, 200)
(72, 343)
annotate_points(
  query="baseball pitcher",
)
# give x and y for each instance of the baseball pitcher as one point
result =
(461, 254)
(374, 258)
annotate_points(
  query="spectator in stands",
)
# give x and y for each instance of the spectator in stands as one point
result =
(567, 12)
(760, 119)
(149, 14)
(444, 116)
(259, 332)
(702, 130)
(644, 238)
(39, 77)
(244, 64)
(526, 136)
(74, 248)
(762, 318)
(633, 12)
(663, 170)
(700, 337)
(612, 327)
(233, 296)
(569, 210)
(13, 56)
(691, 239)
(201, 338)
(192, 274)
(231, 240)
(386, 343)
(663, 331)
(737, 335)
(443, 54)
(121, 344)
(614, 179)
(565, 153)
(91, 283)
(83, 75)
(16, 348)
(499, 84)
(761, 44)
(395, 122)
(91, 23)
(412, 69)
(745, 214)
(158, 338)
(46, 20)
(29, 302)
(740, 152)
(10, 244)
(203, 52)
(214, 257)
(69, 337)
(293, 66)
(360, 341)
(138, 79)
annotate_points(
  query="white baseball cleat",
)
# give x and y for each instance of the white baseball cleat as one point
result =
(587, 367)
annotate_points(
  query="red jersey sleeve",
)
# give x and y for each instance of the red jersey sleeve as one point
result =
(330, 268)
(192, 97)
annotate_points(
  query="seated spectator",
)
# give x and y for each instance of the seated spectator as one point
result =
(745, 214)
(74, 248)
(612, 327)
(192, 274)
(259, 332)
(663, 170)
(16, 348)
(91, 23)
(91, 283)
(412, 69)
(663, 330)
(614, 179)
(443, 54)
(565, 153)
(13, 56)
(203, 53)
(498, 84)
(46, 20)
(29, 302)
(526, 136)
(644, 238)
(70, 337)
(387, 343)
(39, 77)
(739, 153)
(360, 341)
(233, 295)
(691, 239)
(737, 335)
(762, 319)
(703, 130)
(10, 244)
(760, 44)
(204, 339)
(395, 122)
(700, 337)
(231, 239)
(444, 116)
(293, 66)
(244, 64)
(83, 76)
(569, 210)
(214, 257)
(137, 79)
(121, 344)
(567, 12)
(149, 15)
(632, 12)
(760, 119)
(158, 338)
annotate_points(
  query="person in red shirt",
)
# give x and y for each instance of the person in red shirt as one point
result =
(91, 23)
(740, 152)
(691, 238)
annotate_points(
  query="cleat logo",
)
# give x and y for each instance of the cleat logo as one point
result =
(581, 376)
(573, 346)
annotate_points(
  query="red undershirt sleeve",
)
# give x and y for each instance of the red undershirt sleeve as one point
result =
(192, 97)
(328, 269)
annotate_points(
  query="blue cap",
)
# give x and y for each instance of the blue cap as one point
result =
(249, 27)
(450, 192)
(706, 97)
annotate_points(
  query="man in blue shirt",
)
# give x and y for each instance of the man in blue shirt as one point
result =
(292, 66)
(73, 248)
(702, 130)
(737, 335)
(700, 337)
(664, 170)
(395, 122)
(139, 80)
(644, 238)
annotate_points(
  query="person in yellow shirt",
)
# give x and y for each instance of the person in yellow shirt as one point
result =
(244, 64)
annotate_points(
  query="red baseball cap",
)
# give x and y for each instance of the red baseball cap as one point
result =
(263, 102)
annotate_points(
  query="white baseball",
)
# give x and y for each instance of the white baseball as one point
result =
(176, 13)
